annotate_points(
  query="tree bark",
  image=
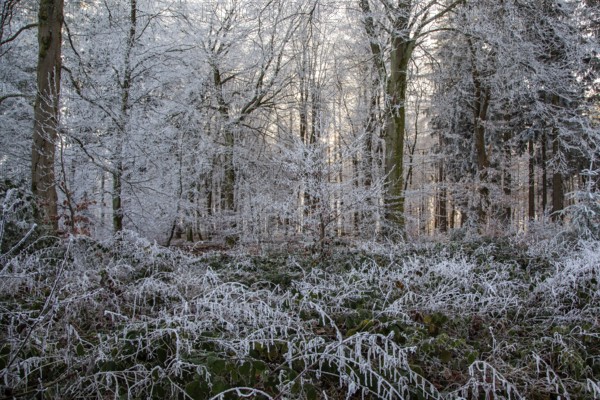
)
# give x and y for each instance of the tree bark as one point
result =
(228, 193)
(442, 206)
(442, 214)
(531, 189)
(402, 49)
(507, 176)
(396, 86)
(378, 79)
(228, 188)
(126, 84)
(558, 190)
(46, 111)
(544, 175)
(480, 109)
(404, 34)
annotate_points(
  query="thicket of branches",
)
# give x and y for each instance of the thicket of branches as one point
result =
(308, 120)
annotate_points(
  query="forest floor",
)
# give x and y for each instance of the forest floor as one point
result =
(509, 318)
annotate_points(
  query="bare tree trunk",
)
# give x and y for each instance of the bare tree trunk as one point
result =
(544, 174)
(558, 190)
(378, 78)
(228, 192)
(442, 208)
(406, 30)
(531, 189)
(507, 177)
(126, 84)
(397, 86)
(412, 147)
(229, 174)
(46, 111)
(480, 109)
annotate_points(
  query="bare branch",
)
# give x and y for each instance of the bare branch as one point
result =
(14, 95)
(23, 29)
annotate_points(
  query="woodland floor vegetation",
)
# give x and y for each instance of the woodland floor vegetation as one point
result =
(504, 318)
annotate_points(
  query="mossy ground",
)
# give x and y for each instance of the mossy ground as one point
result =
(130, 319)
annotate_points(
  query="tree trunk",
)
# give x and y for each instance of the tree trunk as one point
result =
(396, 85)
(378, 78)
(442, 214)
(507, 177)
(46, 111)
(558, 190)
(401, 53)
(228, 193)
(544, 175)
(117, 205)
(126, 84)
(531, 190)
(228, 188)
(480, 109)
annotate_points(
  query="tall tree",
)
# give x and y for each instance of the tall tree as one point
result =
(512, 66)
(18, 60)
(123, 118)
(409, 22)
(46, 110)
(126, 66)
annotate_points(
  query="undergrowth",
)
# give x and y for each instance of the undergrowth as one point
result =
(127, 319)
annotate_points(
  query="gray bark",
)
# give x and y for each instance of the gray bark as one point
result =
(46, 111)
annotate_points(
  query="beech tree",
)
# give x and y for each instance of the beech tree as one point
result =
(246, 56)
(407, 23)
(46, 110)
(124, 73)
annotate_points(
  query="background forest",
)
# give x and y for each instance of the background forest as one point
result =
(308, 120)
(304, 199)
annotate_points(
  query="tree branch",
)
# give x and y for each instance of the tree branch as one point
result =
(446, 10)
(13, 95)
(23, 29)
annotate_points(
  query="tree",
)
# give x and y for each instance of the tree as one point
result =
(244, 46)
(18, 61)
(409, 23)
(507, 93)
(125, 64)
(46, 110)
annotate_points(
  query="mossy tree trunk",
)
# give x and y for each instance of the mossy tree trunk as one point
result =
(409, 24)
(402, 49)
(46, 111)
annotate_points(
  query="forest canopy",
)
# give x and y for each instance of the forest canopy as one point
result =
(300, 121)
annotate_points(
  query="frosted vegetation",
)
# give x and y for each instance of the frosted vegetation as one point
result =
(514, 318)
